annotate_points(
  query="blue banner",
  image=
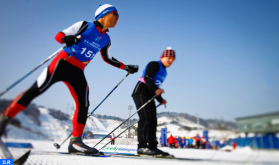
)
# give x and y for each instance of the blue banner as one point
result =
(6, 161)
(164, 136)
(205, 135)
(19, 145)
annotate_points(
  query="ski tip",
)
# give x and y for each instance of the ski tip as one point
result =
(101, 153)
(165, 156)
(22, 159)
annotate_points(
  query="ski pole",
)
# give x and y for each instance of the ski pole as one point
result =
(46, 60)
(18, 81)
(122, 132)
(158, 105)
(110, 92)
(126, 119)
(117, 136)
(57, 145)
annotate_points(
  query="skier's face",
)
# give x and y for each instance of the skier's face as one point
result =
(111, 19)
(167, 61)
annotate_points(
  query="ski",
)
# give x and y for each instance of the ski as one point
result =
(151, 156)
(146, 156)
(113, 154)
(162, 156)
(120, 155)
(100, 154)
(21, 160)
(6, 154)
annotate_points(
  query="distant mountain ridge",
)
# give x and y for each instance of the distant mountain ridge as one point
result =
(209, 123)
(33, 112)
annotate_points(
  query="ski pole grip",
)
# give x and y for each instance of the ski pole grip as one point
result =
(136, 66)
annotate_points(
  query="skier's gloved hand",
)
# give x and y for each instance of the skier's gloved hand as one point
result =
(132, 68)
(164, 102)
(70, 40)
(159, 91)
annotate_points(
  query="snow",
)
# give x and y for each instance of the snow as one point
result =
(53, 131)
(93, 124)
(111, 125)
(190, 156)
(58, 130)
(50, 128)
(176, 130)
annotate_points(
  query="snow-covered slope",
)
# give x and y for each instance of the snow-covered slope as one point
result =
(50, 128)
(176, 125)
(55, 129)
(179, 120)
(179, 126)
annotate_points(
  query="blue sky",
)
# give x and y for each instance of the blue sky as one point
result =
(227, 62)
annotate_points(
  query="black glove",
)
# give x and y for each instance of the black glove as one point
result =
(70, 40)
(132, 68)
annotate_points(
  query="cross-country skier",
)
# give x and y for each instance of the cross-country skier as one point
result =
(68, 66)
(148, 85)
(112, 139)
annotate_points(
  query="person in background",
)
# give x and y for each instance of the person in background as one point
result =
(161, 141)
(216, 144)
(83, 136)
(148, 86)
(112, 138)
(171, 141)
(178, 141)
(234, 145)
(208, 145)
(203, 142)
(198, 141)
(190, 143)
(175, 142)
(222, 143)
(185, 142)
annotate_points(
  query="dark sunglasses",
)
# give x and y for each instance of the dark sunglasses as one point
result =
(116, 15)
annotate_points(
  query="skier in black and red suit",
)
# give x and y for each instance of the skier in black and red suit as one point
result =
(68, 66)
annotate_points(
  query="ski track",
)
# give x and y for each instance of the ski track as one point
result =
(40, 156)
(42, 159)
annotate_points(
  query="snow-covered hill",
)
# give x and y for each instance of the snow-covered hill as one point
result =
(180, 126)
(51, 128)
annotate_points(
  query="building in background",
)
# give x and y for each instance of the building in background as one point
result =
(260, 131)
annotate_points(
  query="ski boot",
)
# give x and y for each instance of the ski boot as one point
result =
(77, 146)
(152, 151)
(142, 151)
(4, 120)
(142, 148)
(162, 152)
